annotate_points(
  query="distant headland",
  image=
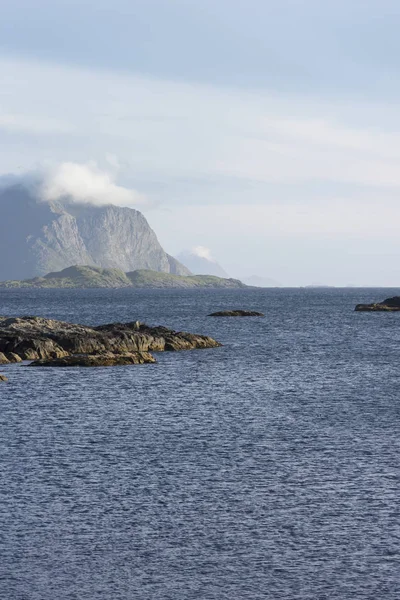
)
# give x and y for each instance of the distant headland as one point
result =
(86, 276)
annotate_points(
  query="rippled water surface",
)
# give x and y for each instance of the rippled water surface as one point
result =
(265, 469)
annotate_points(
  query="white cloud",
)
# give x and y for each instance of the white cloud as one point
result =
(86, 183)
(203, 252)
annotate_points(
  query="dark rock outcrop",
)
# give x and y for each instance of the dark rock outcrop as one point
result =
(236, 313)
(10, 357)
(107, 359)
(13, 358)
(3, 359)
(388, 305)
(47, 341)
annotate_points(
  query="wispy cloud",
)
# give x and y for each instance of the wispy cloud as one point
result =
(33, 124)
(220, 132)
(347, 152)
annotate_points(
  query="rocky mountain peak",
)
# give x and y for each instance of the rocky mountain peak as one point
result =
(38, 237)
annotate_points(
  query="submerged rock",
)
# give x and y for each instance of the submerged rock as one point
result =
(39, 340)
(388, 305)
(237, 313)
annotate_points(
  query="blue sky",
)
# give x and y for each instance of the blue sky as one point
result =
(266, 131)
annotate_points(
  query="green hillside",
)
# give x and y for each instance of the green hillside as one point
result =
(96, 277)
(153, 279)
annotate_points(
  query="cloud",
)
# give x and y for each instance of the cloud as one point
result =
(262, 137)
(362, 220)
(86, 183)
(263, 168)
(203, 252)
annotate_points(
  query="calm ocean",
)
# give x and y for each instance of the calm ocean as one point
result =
(265, 469)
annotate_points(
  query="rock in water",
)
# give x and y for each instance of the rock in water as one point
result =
(48, 342)
(388, 305)
(3, 377)
(107, 359)
(236, 313)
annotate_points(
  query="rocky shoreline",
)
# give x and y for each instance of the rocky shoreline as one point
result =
(51, 343)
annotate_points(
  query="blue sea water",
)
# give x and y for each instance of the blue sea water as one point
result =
(265, 469)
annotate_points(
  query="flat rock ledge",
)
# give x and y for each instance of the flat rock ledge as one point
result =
(47, 342)
(237, 313)
(3, 377)
(96, 360)
(388, 305)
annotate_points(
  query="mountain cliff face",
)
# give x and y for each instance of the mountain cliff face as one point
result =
(39, 237)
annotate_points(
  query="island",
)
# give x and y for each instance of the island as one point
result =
(51, 343)
(86, 276)
(388, 305)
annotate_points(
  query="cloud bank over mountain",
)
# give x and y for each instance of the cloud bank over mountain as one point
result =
(86, 183)
(76, 183)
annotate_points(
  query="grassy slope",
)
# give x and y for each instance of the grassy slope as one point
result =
(153, 279)
(76, 277)
(96, 277)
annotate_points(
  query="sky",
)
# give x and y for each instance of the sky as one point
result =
(265, 131)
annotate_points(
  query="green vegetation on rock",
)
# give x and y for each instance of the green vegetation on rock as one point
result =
(97, 277)
(153, 279)
(76, 277)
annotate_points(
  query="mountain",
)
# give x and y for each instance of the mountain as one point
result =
(256, 281)
(40, 237)
(97, 277)
(200, 262)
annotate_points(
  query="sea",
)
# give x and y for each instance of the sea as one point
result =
(264, 469)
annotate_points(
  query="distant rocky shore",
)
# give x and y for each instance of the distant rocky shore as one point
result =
(388, 305)
(47, 342)
(96, 277)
